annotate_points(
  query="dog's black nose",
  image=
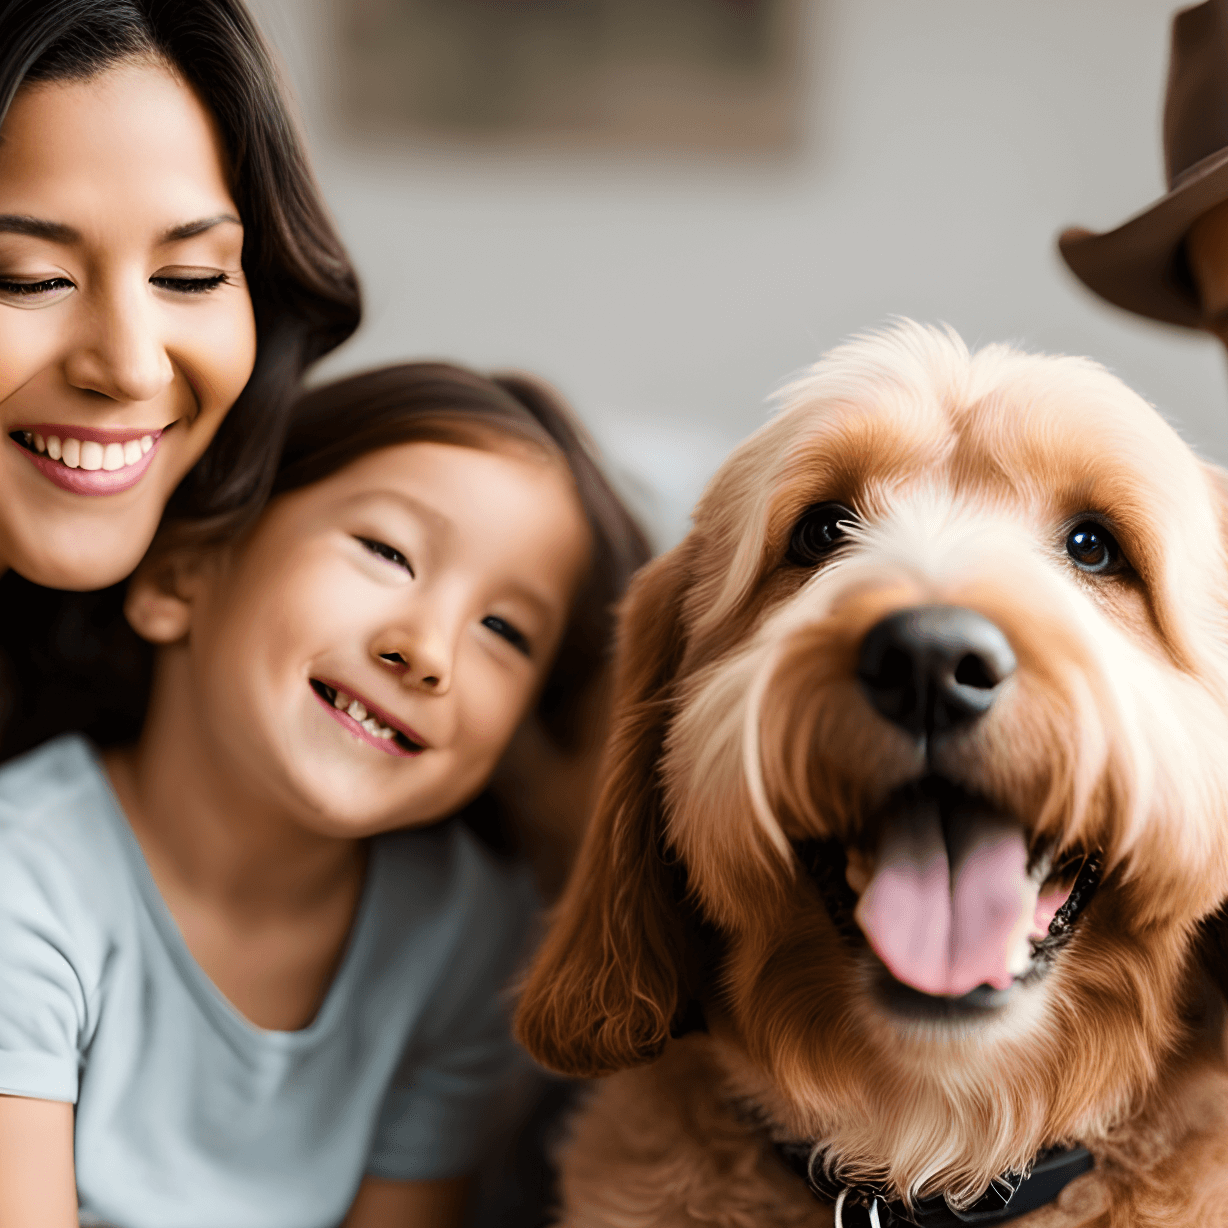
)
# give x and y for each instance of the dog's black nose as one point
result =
(934, 667)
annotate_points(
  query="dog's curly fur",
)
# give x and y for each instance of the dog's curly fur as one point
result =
(741, 732)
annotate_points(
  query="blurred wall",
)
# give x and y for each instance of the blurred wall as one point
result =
(946, 142)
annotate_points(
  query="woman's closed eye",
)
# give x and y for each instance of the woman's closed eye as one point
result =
(389, 553)
(29, 293)
(513, 635)
(25, 293)
(187, 281)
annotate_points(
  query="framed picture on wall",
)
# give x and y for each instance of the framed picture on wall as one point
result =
(698, 75)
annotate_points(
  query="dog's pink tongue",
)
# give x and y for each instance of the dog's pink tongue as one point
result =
(945, 920)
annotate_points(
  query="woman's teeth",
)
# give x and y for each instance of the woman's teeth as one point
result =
(352, 707)
(87, 453)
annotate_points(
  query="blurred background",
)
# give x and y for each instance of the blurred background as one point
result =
(666, 207)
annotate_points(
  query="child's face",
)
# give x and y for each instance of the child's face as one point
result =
(429, 584)
(126, 327)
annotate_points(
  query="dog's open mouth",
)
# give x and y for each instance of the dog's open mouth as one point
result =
(952, 902)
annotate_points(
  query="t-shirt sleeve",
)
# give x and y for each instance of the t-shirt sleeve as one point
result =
(43, 1007)
(438, 1113)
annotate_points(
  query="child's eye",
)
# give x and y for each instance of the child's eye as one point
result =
(388, 552)
(513, 635)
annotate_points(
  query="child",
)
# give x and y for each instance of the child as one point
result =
(267, 1005)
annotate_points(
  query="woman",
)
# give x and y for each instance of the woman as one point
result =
(167, 272)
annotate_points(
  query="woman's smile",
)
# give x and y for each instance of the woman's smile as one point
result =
(89, 460)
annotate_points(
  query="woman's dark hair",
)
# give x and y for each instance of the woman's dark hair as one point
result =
(335, 424)
(303, 289)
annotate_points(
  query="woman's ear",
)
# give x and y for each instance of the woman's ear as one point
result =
(606, 986)
(162, 592)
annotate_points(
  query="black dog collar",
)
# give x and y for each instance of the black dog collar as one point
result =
(1010, 1196)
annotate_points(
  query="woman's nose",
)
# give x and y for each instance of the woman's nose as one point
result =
(121, 351)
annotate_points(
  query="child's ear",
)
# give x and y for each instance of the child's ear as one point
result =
(162, 593)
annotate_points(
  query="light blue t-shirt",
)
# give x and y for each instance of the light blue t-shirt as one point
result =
(187, 1115)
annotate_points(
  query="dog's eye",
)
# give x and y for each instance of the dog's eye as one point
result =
(818, 531)
(1092, 547)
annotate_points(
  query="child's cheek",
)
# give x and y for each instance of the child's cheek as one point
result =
(495, 706)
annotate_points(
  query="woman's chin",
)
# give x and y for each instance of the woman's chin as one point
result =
(77, 558)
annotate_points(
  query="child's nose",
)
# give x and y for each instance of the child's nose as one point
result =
(421, 661)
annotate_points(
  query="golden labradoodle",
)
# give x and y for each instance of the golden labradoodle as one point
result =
(902, 890)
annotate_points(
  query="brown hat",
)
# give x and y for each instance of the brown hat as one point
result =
(1141, 265)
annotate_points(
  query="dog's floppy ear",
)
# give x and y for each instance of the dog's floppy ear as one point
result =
(605, 987)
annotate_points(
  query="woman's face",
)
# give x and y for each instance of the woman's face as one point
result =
(126, 327)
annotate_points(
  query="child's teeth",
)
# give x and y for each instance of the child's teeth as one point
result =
(358, 710)
(53, 447)
(72, 453)
(373, 727)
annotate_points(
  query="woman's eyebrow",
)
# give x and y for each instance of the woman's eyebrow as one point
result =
(58, 232)
(37, 228)
(190, 229)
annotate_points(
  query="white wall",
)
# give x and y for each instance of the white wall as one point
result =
(947, 141)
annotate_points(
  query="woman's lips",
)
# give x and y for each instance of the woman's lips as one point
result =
(95, 434)
(352, 719)
(94, 446)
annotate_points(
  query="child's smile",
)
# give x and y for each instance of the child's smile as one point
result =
(367, 722)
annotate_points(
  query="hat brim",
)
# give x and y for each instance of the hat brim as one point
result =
(1141, 265)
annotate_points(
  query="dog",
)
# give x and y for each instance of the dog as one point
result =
(903, 901)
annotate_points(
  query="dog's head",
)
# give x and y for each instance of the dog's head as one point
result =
(926, 720)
